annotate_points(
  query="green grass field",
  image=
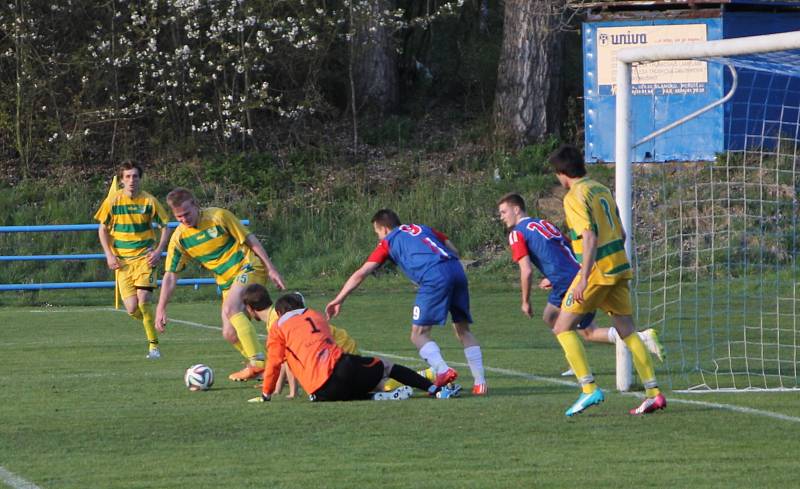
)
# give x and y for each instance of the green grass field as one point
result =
(80, 407)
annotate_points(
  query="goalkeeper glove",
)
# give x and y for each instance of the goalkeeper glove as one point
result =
(261, 398)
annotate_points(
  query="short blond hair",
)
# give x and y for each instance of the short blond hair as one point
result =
(178, 196)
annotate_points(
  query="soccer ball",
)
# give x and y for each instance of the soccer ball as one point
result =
(199, 377)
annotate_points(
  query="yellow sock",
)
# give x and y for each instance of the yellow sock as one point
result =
(391, 385)
(149, 323)
(137, 314)
(576, 357)
(643, 363)
(247, 337)
(240, 348)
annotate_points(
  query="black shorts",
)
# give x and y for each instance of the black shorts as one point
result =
(353, 377)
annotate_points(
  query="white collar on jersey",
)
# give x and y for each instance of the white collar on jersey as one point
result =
(287, 316)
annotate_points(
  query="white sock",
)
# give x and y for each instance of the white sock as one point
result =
(475, 361)
(613, 336)
(430, 353)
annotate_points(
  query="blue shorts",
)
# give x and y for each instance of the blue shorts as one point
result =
(444, 289)
(555, 298)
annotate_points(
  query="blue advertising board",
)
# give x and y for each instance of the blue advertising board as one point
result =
(667, 91)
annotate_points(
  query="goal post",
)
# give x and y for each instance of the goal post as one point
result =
(716, 246)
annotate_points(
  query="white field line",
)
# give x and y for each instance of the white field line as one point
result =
(515, 373)
(14, 481)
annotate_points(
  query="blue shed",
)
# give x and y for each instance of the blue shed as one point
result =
(611, 26)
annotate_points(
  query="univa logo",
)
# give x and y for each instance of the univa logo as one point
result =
(624, 39)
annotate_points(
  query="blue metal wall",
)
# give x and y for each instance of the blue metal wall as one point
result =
(699, 139)
(711, 133)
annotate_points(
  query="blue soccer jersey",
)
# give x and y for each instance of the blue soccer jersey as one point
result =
(547, 248)
(422, 255)
(414, 248)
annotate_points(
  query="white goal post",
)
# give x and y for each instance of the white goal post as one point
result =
(624, 186)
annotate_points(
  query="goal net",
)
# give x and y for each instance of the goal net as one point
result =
(716, 243)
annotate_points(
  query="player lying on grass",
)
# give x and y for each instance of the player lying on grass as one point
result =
(602, 281)
(219, 242)
(126, 234)
(258, 305)
(302, 338)
(428, 258)
(539, 243)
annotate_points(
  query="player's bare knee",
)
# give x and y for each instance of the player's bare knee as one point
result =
(418, 333)
(565, 322)
(462, 331)
(624, 325)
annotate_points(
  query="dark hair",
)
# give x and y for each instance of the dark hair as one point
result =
(129, 165)
(513, 199)
(568, 161)
(289, 302)
(387, 218)
(257, 297)
(178, 196)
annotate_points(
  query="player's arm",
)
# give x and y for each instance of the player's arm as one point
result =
(255, 245)
(589, 240)
(276, 355)
(519, 253)
(445, 240)
(160, 217)
(332, 309)
(451, 246)
(525, 275)
(154, 256)
(105, 241)
(168, 284)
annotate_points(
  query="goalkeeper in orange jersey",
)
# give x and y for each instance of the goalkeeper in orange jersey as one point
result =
(302, 338)
(258, 305)
(127, 218)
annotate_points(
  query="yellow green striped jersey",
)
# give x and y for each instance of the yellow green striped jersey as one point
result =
(589, 205)
(217, 243)
(130, 222)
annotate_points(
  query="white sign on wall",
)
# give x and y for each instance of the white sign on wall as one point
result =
(662, 77)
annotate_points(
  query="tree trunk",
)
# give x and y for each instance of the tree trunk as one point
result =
(376, 76)
(528, 97)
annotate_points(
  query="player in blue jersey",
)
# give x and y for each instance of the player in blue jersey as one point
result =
(430, 260)
(539, 243)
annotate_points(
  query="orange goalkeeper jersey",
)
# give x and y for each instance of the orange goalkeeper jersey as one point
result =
(303, 339)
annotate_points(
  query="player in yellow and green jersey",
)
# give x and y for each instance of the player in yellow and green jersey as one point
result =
(601, 283)
(127, 218)
(217, 240)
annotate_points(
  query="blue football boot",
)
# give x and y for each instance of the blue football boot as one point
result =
(585, 401)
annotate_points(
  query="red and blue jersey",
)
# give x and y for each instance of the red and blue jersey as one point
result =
(547, 248)
(415, 248)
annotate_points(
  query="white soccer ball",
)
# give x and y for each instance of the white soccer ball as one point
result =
(199, 377)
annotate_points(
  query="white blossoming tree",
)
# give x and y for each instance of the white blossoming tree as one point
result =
(92, 80)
